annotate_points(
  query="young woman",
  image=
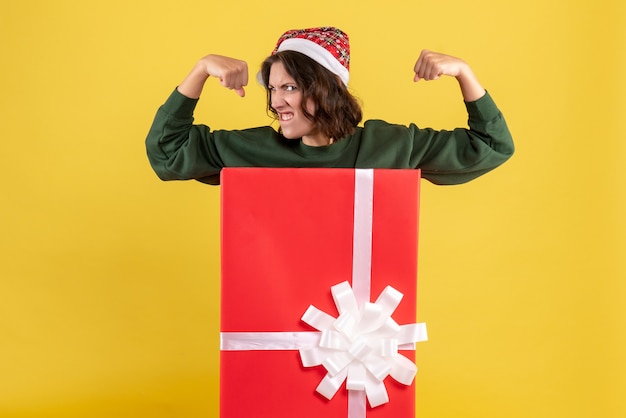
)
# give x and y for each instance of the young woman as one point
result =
(306, 78)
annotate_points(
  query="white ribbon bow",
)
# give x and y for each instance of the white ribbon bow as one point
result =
(361, 345)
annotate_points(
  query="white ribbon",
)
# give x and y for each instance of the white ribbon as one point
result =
(361, 345)
(362, 235)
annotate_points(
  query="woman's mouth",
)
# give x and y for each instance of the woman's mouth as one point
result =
(285, 116)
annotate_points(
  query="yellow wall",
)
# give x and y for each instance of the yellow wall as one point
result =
(110, 278)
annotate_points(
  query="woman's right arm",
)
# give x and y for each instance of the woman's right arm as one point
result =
(177, 149)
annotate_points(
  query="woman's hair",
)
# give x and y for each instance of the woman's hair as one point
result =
(337, 111)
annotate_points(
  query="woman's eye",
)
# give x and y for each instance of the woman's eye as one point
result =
(286, 88)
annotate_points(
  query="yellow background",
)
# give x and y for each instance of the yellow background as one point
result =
(110, 278)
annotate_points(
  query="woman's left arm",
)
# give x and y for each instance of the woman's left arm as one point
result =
(460, 155)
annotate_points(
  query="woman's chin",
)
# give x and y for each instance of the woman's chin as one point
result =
(289, 135)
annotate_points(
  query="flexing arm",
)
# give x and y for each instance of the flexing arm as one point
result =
(176, 148)
(432, 65)
(232, 73)
(460, 155)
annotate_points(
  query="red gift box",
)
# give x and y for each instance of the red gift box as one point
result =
(288, 237)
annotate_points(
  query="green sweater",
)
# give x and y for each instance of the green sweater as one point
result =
(180, 150)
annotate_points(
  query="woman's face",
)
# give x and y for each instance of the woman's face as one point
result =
(286, 99)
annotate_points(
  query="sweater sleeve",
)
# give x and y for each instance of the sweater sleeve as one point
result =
(461, 155)
(179, 150)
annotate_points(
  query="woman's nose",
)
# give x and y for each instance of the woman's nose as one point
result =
(277, 99)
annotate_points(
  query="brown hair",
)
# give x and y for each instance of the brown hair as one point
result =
(337, 111)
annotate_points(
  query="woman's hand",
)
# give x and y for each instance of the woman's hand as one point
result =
(232, 73)
(432, 65)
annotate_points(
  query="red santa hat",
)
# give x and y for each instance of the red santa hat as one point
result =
(328, 46)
